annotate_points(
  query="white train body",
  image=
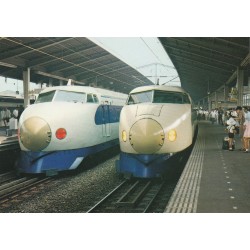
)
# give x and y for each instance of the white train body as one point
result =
(66, 124)
(157, 122)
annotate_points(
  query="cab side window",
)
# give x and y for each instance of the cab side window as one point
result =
(92, 98)
(95, 98)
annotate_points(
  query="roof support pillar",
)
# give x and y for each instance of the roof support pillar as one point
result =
(239, 85)
(215, 100)
(209, 102)
(199, 104)
(226, 92)
(203, 103)
(50, 82)
(26, 87)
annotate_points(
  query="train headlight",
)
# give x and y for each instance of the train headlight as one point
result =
(172, 135)
(61, 133)
(124, 136)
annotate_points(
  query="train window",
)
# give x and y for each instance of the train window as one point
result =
(186, 99)
(45, 97)
(69, 96)
(170, 97)
(92, 98)
(141, 97)
(95, 98)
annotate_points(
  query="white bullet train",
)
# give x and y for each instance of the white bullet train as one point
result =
(65, 125)
(156, 122)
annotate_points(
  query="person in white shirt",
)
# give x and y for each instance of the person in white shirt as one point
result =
(231, 127)
(6, 116)
(213, 116)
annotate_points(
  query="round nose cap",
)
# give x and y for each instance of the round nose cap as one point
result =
(146, 136)
(35, 134)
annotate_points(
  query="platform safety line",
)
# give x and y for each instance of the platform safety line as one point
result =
(189, 181)
(185, 191)
(186, 188)
(185, 195)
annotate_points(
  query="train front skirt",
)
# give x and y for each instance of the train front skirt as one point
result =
(52, 162)
(142, 165)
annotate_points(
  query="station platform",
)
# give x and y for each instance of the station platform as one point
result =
(214, 180)
(9, 148)
(7, 135)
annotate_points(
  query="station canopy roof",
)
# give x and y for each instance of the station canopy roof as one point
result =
(207, 63)
(203, 64)
(58, 59)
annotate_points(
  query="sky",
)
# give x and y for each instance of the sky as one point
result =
(10, 84)
(145, 54)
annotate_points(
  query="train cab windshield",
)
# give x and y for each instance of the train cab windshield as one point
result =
(61, 96)
(157, 96)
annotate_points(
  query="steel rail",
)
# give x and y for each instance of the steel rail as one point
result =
(4, 177)
(122, 200)
(107, 196)
(153, 199)
(18, 186)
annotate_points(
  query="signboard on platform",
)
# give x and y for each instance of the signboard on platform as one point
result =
(233, 95)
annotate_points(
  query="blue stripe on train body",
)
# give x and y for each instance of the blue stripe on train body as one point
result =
(43, 162)
(107, 114)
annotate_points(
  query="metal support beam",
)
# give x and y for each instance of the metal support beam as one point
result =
(226, 92)
(240, 79)
(216, 99)
(50, 84)
(209, 102)
(26, 87)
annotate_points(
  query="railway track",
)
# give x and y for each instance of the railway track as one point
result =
(136, 196)
(12, 187)
(144, 195)
(7, 176)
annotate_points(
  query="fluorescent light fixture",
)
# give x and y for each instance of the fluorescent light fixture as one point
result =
(7, 65)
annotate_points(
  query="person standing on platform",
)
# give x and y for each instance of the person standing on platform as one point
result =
(231, 128)
(220, 114)
(246, 135)
(6, 117)
(241, 119)
(213, 116)
(15, 113)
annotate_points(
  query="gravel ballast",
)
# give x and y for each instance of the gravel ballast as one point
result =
(73, 192)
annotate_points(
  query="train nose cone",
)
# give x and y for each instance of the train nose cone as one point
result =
(35, 134)
(146, 136)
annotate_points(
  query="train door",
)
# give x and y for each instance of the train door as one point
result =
(106, 128)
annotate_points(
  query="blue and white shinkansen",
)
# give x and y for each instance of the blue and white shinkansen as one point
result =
(65, 125)
(156, 122)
